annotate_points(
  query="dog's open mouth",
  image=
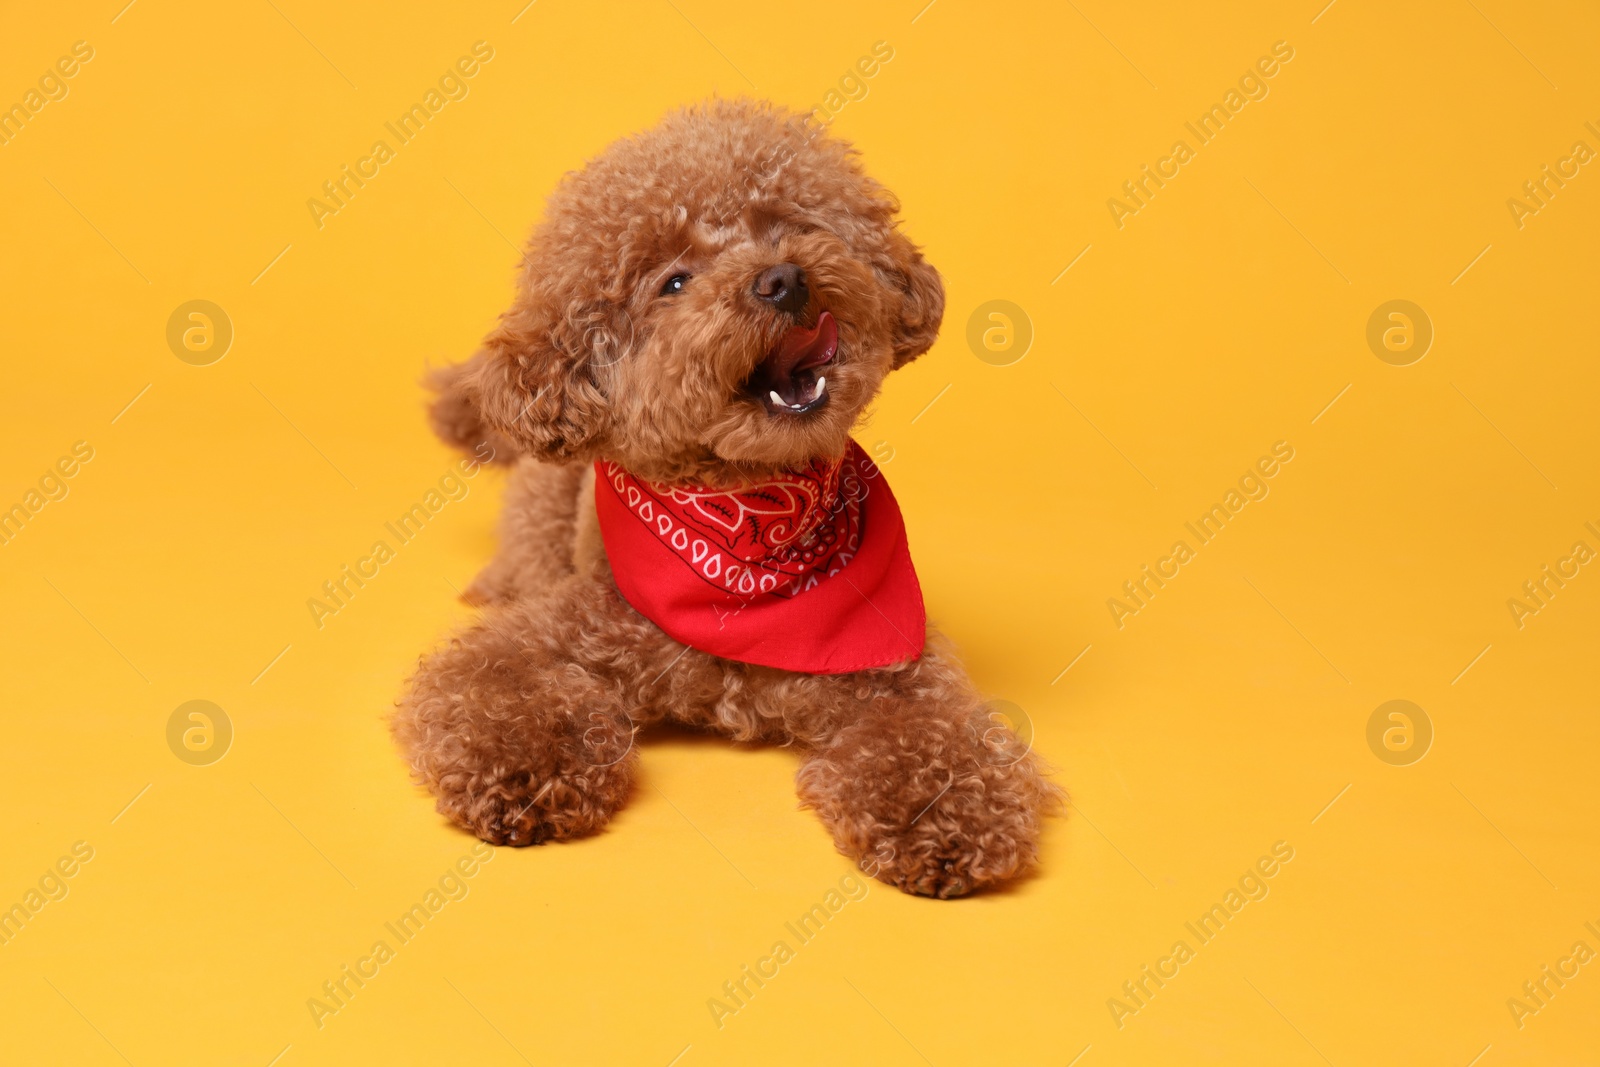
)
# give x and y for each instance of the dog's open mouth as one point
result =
(793, 380)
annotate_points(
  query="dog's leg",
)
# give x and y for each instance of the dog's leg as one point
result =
(523, 725)
(519, 742)
(536, 534)
(922, 787)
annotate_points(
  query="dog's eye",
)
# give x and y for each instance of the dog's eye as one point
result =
(675, 285)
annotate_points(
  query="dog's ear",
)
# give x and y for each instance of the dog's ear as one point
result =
(921, 300)
(535, 385)
(456, 412)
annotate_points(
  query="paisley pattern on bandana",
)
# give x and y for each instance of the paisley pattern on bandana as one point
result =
(779, 536)
(807, 570)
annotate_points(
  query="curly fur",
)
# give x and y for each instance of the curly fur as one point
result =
(523, 725)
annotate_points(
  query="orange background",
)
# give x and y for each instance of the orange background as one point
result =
(1231, 712)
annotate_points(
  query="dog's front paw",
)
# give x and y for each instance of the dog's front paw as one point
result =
(517, 750)
(941, 809)
(573, 793)
(531, 814)
(503, 815)
(928, 866)
(970, 835)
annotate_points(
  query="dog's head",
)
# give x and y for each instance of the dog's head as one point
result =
(715, 299)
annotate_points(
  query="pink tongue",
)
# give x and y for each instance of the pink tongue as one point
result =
(806, 348)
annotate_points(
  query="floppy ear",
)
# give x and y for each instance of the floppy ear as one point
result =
(921, 301)
(455, 412)
(536, 387)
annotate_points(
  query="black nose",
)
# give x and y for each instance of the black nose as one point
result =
(784, 287)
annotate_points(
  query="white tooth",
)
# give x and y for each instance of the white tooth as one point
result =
(821, 382)
(776, 399)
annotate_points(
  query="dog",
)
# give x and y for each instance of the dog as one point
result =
(690, 534)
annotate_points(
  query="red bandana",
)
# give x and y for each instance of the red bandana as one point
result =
(808, 572)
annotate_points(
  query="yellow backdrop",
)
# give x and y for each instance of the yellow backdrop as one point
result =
(1265, 399)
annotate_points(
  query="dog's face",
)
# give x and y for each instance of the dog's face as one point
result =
(713, 300)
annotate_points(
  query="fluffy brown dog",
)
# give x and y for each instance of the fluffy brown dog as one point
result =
(666, 323)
